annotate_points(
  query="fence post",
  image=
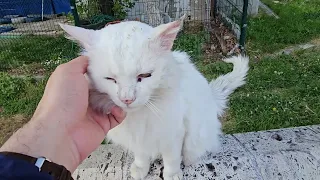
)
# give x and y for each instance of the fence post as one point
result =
(244, 25)
(213, 9)
(75, 12)
(215, 2)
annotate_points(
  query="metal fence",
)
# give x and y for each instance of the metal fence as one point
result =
(220, 20)
(32, 18)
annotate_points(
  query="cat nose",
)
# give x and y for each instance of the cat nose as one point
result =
(128, 101)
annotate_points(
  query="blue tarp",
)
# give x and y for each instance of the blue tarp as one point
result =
(4, 29)
(32, 7)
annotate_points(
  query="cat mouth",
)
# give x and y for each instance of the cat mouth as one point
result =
(130, 109)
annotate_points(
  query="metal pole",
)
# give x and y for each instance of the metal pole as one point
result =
(75, 12)
(243, 26)
(42, 10)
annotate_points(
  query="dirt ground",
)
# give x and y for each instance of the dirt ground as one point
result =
(222, 42)
(9, 125)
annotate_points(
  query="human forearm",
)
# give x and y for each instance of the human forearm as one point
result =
(42, 138)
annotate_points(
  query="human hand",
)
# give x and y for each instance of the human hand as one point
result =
(64, 129)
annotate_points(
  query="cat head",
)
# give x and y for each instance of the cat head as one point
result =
(128, 60)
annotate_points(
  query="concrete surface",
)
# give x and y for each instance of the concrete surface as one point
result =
(286, 154)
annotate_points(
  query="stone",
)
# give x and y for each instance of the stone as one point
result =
(292, 153)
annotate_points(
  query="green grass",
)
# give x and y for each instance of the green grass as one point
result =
(27, 50)
(280, 92)
(192, 44)
(299, 23)
(19, 96)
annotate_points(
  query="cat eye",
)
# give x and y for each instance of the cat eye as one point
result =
(141, 76)
(111, 79)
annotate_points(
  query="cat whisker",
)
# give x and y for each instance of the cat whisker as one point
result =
(154, 99)
(152, 110)
(155, 107)
(155, 95)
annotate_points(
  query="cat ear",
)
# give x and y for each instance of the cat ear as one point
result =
(81, 35)
(165, 34)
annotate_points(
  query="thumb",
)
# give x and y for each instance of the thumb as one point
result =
(107, 122)
(78, 65)
(118, 113)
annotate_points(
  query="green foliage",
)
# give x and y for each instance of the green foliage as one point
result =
(70, 17)
(91, 8)
(83, 8)
(120, 8)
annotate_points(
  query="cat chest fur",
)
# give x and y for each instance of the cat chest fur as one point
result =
(152, 130)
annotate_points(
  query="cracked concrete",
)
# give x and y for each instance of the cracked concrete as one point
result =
(286, 154)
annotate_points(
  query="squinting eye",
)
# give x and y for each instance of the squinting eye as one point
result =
(141, 76)
(111, 79)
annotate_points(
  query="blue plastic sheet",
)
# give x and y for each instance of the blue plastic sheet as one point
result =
(33, 7)
(4, 29)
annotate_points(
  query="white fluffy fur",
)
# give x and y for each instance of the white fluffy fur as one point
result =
(175, 112)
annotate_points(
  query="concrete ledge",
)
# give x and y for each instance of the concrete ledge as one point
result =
(291, 154)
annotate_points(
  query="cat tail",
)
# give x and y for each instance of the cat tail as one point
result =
(226, 84)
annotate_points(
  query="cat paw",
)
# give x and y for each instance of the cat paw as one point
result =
(177, 176)
(189, 161)
(138, 173)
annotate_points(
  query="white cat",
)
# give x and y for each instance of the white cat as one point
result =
(171, 108)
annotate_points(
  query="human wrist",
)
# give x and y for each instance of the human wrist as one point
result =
(43, 138)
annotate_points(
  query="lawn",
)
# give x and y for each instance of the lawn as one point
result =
(280, 92)
(46, 52)
(299, 23)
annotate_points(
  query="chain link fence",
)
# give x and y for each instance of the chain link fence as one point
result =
(20, 18)
(219, 24)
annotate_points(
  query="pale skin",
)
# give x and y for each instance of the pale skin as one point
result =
(63, 128)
